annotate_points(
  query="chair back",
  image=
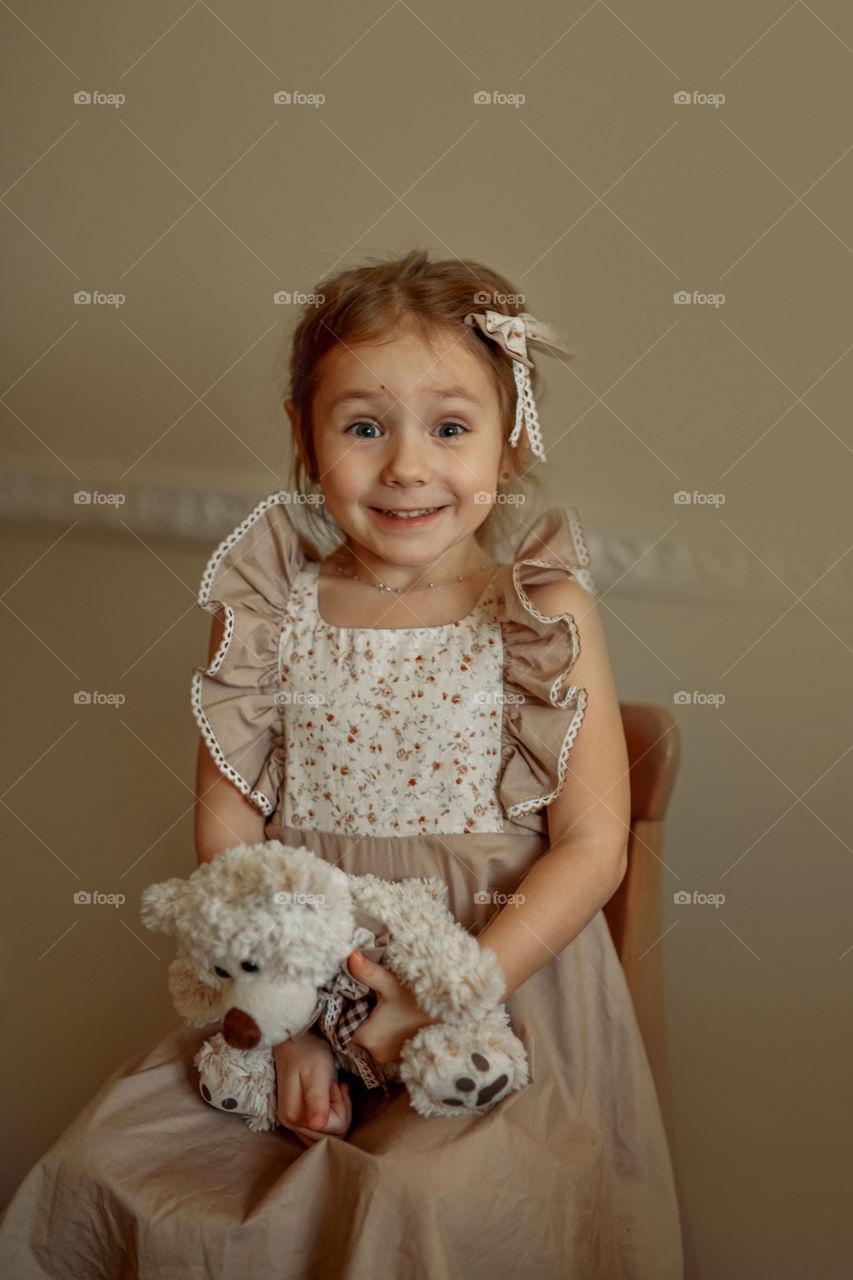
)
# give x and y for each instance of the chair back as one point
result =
(634, 913)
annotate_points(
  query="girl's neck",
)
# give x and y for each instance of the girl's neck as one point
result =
(345, 602)
(392, 579)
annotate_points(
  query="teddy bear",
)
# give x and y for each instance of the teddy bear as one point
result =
(263, 933)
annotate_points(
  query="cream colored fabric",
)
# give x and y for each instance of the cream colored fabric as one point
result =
(373, 716)
(568, 1177)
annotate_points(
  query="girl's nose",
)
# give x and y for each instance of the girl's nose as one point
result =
(406, 461)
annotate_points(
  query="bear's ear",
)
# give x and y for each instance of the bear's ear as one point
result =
(160, 903)
(194, 1000)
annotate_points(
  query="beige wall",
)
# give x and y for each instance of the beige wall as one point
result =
(600, 197)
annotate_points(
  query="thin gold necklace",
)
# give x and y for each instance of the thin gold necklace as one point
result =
(382, 586)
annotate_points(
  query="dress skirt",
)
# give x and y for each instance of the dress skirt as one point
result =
(568, 1177)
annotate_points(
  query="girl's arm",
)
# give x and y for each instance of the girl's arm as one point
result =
(588, 823)
(223, 817)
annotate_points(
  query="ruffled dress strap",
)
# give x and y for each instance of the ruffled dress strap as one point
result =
(542, 710)
(247, 582)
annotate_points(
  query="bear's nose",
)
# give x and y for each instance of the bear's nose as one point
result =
(239, 1030)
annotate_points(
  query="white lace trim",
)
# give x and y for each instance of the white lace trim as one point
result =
(525, 411)
(257, 798)
(526, 806)
(583, 574)
(572, 695)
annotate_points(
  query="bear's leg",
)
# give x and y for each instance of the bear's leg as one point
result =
(239, 1081)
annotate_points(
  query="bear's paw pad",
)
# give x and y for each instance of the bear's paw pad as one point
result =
(485, 1085)
(226, 1104)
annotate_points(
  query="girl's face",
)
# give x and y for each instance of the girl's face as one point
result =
(404, 425)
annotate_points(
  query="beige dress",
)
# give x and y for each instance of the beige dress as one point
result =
(430, 751)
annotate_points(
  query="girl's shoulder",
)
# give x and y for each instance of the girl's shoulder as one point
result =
(257, 561)
(246, 585)
(557, 536)
(551, 551)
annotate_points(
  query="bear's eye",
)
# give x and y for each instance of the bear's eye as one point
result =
(223, 973)
(249, 966)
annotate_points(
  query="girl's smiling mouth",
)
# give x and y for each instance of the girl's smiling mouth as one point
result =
(401, 516)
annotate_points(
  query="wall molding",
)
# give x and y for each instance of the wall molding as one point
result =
(704, 564)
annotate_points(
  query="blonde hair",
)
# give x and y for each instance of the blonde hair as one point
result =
(364, 304)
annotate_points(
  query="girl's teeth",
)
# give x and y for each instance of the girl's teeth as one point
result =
(427, 511)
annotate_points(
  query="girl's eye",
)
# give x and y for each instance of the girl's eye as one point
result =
(449, 423)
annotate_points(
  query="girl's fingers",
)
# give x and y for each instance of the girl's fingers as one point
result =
(337, 1125)
(375, 976)
(316, 1107)
(344, 1111)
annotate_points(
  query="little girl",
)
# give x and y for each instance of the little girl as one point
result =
(406, 705)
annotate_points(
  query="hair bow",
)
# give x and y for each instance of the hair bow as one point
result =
(514, 334)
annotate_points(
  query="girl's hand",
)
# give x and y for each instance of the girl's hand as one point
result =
(310, 1101)
(396, 1016)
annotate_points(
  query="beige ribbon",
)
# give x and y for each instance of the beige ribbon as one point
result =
(514, 334)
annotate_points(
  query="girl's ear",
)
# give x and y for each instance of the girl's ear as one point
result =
(290, 410)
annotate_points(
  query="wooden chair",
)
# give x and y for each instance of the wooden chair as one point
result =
(634, 912)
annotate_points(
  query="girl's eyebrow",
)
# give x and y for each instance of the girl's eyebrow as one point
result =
(440, 393)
